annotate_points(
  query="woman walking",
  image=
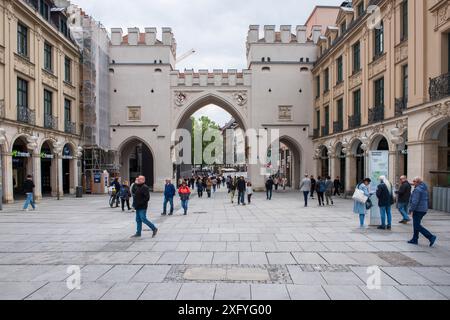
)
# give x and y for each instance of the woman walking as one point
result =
(249, 192)
(209, 186)
(360, 208)
(184, 192)
(125, 195)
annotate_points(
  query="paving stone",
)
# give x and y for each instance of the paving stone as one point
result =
(301, 277)
(51, 291)
(173, 258)
(362, 273)
(421, 293)
(406, 276)
(199, 258)
(121, 273)
(18, 290)
(280, 258)
(338, 258)
(189, 246)
(214, 246)
(252, 258)
(92, 273)
(238, 246)
(196, 291)
(384, 293)
(125, 291)
(308, 258)
(226, 258)
(147, 258)
(161, 291)
(345, 292)
(156, 273)
(444, 290)
(198, 273)
(341, 278)
(89, 291)
(436, 275)
(247, 274)
(307, 292)
(232, 291)
(269, 292)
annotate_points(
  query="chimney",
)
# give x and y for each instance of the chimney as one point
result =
(286, 35)
(316, 33)
(269, 34)
(133, 36)
(116, 36)
(301, 34)
(150, 36)
(167, 36)
(253, 34)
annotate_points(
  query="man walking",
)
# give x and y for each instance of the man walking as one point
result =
(241, 191)
(403, 197)
(141, 199)
(313, 186)
(418, 209)
(329, 191)
(169, 193)
(28, 187)
(269, 188)
(385, 201)
(305, 187)
(337, 186)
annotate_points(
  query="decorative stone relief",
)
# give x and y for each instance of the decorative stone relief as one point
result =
(49, 80)
(401, 52)
(338, 90)
(23, 66)
(355, 80)
(441, 15)
(285, 113)
(440, 110)
(377, 66)
(2, 55)
(69, 90)
(25, 130)
(241, 98)
(10, 12)
(180, 98)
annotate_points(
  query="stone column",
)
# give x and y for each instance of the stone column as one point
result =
(37, 177)
(60, 176)
(423, 158)
(8, 187)
(350, 172)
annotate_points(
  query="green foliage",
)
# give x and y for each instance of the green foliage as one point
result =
(203, 124)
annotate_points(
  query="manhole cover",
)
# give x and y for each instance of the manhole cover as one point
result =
(398, 259)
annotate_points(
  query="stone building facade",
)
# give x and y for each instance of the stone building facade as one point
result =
(39, 99)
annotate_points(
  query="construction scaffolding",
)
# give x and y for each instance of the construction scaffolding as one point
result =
(93, 41)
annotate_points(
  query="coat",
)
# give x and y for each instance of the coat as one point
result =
(125, 192)
(404, 193)
(305, 185)
(328, 186)
(384, 196)
(184, 193)
(419, 199)
(358, 207)
(169, 191)
(141, 197)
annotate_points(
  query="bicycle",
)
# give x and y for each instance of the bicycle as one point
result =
(114, 198)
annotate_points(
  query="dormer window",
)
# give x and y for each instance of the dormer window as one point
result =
(343, 27)
(263, 59)
(44, 9)
(360, 9)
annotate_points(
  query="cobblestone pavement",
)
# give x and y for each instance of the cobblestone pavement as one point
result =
(264, 251)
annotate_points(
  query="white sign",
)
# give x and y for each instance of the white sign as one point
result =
(378, 166)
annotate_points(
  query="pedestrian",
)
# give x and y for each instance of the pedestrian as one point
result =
(403, 197)
(249, 191)
(209, 186)
(192, 182)
(169, 193)
(276, 182)
(359, 207)
(116, 190)
(241, 186)
(28, 188)
(418, 208)
(133, 192)
(305, 187)
(313, 186)
(269, 188)
(337, 186)
(233, 186)
(184, 192)
(385, 201)
(125, 194)
(214, 184)
(329, 191)
(320, 188)
(199, 188)
(141, 199)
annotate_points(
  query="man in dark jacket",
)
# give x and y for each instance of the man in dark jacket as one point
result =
(403, 197)
(418, 208)
(313, 186)
(141, 199)
(269, 188)
(169, 193)
(241, 186)
(384, 195)
(28, 187)
(337, 186)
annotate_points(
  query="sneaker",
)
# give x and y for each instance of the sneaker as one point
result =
(381, 228)
(403, 222)
(171, 214)
(389, 227)
(155, 232)
(432, 241)
(163, 214)
(135, 236)
(413, 242)
(26, 210)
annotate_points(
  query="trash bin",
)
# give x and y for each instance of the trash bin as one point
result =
(79, 192)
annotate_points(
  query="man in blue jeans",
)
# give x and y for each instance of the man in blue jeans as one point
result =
(141, 199)
(28, 187)
(169, 193)
(403, 197)
(418, 209)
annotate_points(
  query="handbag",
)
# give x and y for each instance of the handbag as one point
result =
(369, 204)
(359, 196)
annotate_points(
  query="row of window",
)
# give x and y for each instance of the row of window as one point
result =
(22, 49)
(22, 103)
(59, 20)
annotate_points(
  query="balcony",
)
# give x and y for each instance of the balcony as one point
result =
(354, 121)
(440, 87)
(50, 122)
(316, 133)
(338, 126)
(376, 114)
(325, 131)
(26, 115)
(70, 127)
(400, 106)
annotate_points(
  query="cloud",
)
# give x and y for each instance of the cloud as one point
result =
(216, 29)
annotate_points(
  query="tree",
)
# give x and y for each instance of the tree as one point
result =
(203, 124)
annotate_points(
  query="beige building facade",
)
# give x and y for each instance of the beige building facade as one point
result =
(39, 99)
(381, 84)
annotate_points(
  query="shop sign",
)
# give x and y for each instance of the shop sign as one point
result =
(46, 156)
(97, 178)
(19, 154)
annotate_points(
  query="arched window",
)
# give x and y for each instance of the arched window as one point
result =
(265, 69)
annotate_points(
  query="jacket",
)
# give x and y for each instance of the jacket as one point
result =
(384, 196)
(141, 197)
(125, 192)
(184, 193)
(358, 207)
(169, 191)
(241, 185)
(269, 184)
(328, 186)
(28, 186)
(305, 185)
(404, 192)
(320, 186)
(419, 199)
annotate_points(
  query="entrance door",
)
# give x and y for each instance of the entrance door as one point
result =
(66, 175)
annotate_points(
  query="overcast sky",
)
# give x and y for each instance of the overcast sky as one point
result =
(216, 29)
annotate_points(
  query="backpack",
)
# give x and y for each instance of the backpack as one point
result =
(322, 187)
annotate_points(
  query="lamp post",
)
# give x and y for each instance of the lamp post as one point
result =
(2, 142)
(32, 146)
(80, 183)
(57, 149)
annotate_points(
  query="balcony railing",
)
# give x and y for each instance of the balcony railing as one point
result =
(376, 114)
(354, 121)
(26, 115)
(440, 87)
(70, 127)
(50, 122)
(400, 106)
(338, 126)
(316, 133)
(325, 131)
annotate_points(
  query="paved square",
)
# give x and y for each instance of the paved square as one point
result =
(266, 250)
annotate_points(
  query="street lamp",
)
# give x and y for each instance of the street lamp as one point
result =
(57, 149)
(79, 190)
(2, 142)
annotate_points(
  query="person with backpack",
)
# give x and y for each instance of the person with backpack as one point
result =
(403, 197)
(320, 188)
(142, 197)
(385, 201)
(184, 192)
(125, 194)
(269, 188)
(361, 208)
